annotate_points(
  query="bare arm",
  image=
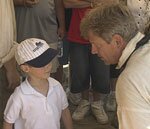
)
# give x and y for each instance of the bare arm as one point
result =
(77, 3)
(67, 120)
(7, 125)
(12, 74)
(60, 12)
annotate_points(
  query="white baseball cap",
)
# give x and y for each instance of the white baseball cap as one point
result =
(35, 52)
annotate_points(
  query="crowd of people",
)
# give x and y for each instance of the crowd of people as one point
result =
(106, 43)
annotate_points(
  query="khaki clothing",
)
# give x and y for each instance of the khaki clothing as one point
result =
(7, 48)
(7, 31)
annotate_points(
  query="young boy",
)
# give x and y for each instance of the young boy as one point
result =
(40, 101)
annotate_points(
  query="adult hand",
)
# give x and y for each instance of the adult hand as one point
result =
(104, 2)
(30, 3)
(27, 3)
(61, 32)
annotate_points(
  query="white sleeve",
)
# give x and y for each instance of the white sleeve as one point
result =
(12, 110)
(63, 98)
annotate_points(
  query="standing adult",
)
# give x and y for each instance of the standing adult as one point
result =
(114, 36)
(88, 74)
(9, 77)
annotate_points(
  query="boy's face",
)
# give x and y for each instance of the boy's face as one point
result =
(39, 73)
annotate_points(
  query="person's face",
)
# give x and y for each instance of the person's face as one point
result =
(39, 73)
(108, 52)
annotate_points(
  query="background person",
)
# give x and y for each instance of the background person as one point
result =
(9, 77)
(141, 12)
(88, 74)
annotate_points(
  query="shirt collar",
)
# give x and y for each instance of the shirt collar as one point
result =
(129, 49)
(28, 89)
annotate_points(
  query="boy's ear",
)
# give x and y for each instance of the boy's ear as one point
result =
(24, 68)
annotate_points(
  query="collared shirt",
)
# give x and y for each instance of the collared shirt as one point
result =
(7, 31)
(29, 109)
(129, 49)
(133, 87)
(141, 12)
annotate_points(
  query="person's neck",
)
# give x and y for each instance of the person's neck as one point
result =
(40, 85)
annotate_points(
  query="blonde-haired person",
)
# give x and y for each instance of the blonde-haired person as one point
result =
(114, 35)
(9, 77)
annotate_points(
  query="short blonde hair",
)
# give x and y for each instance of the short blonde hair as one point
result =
(105, 21)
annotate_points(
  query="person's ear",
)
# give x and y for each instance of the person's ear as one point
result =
(118, 41)
(24, 68)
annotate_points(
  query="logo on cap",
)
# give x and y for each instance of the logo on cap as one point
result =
(38, 45)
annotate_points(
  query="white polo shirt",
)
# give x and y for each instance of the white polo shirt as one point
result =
(29, 109)
(141, 12)
(133, 87)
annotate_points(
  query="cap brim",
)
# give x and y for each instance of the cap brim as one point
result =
(43, 59)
